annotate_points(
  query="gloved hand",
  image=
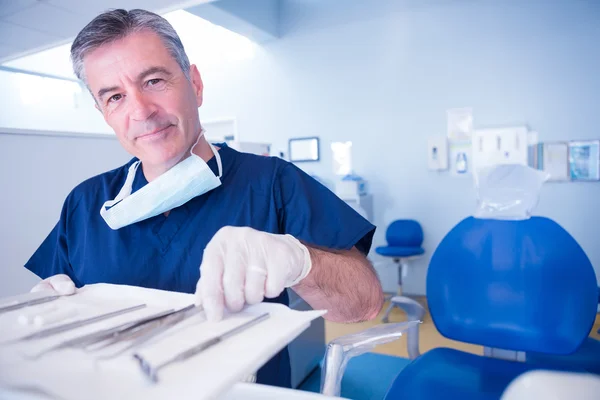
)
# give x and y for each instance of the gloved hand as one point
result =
(243, 266)
(60, 283)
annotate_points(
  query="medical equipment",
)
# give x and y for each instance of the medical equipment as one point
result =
(497, 146)
(122, 332)
(152, 372)
(461, 163)
(352, 189)
(351, 186)
(54, 316)
(26, 317)
(16, 305)
(437, 153)
(143, 334)
(341, 350)
(207, 375)
(79, 323)
(486, 279)
(190, 178)
(459, 123)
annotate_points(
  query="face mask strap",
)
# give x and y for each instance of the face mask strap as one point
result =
(218, 158)
(215, 152)
(197, 140)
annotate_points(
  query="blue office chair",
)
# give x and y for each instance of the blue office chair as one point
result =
(404, 240)
(511, 286)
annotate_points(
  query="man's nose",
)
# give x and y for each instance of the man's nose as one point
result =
(141, 106)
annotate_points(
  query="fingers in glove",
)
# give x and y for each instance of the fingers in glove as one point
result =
(42, 286)
(60, 283)
(275, 283)
(210, 294)
(255, 284)
(234, 276)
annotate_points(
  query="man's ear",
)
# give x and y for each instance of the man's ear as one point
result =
(197, 84)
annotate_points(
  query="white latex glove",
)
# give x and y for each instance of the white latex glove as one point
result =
(60, 283)
(243, 266)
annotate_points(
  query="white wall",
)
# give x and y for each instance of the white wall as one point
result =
(30, 102)
(37, 174)
(382, 74)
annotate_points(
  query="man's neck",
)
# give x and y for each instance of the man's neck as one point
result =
(202, 150)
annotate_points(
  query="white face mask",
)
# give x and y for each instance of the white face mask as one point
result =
(190, 178)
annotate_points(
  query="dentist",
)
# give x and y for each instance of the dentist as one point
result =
(189, 216)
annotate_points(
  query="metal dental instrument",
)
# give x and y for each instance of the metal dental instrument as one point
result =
(126, 331)
(79, 323)
(15, 305)
(157, 327)
(104, 334)
(148, 326)
(152, 372)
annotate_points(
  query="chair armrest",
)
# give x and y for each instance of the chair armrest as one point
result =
(341, 350)
(414, 312)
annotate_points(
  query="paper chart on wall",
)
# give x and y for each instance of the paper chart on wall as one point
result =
(459, 123)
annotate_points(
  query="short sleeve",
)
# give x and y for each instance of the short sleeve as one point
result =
(52, 257)
(312, 213)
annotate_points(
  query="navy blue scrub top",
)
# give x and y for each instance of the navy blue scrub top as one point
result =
(165, 252)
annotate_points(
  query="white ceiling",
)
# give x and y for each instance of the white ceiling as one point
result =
(29, 26)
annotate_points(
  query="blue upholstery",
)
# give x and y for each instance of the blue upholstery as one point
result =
(587, 358)
(452, 374)
(393, 251)
(516, 285)
(404, 239)
(530, 286)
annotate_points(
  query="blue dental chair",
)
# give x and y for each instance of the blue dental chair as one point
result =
(514, 287)
(404, 240)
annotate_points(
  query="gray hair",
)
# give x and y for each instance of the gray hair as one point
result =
(116, 24)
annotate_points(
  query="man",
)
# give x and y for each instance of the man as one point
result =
(184, 215)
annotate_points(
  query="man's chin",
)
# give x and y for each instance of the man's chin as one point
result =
(163, 160)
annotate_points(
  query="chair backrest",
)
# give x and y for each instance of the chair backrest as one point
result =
(517, 285)
(404, 233)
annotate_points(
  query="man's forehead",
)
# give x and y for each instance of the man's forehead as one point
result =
(129, 56)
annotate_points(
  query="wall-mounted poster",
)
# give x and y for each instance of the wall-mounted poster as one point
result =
(584, 160)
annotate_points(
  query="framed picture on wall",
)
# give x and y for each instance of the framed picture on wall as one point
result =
(584, 160)
(304, 149)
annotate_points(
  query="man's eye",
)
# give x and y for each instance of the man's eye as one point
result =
(114, 98)
(154, 82)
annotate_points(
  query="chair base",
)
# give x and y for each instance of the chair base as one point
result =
(394, 302)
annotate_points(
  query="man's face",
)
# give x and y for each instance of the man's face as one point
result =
(145, 97)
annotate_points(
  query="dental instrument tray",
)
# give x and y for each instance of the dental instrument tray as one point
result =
(111, 341)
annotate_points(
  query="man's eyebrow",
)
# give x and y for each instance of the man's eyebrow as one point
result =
(140, 77)
(103, 91)
(153, 70)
